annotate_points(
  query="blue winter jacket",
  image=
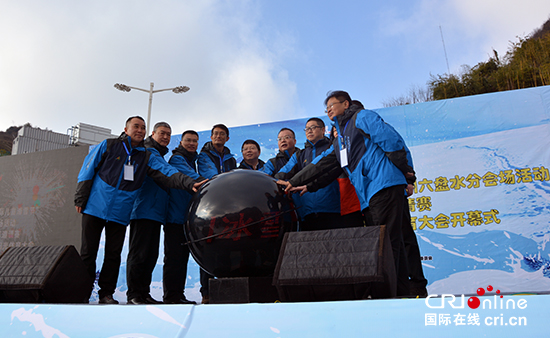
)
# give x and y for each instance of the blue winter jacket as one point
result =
(376, 155)
(273, 165)
(326, 199)
(210, 163)
(152, 200)
(178, 205)
(102, 190)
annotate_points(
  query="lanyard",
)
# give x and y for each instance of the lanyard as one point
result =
(128, 168)
(343, 150)
(342, 142)
(127, 152)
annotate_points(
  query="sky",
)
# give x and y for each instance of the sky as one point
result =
(246, 61)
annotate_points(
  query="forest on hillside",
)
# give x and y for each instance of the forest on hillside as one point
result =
(526, 64)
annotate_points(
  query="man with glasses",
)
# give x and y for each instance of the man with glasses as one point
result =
(251, 156)
(286, 139)
(215, 158)
(374, 157)
(318, 210)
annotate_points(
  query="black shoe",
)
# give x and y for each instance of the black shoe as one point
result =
(150, 300)
(419, 292)
(136, 301)
(108, 300)
(179, 301)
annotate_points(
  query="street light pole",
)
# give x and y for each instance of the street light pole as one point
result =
(177, 90)
(149, 108)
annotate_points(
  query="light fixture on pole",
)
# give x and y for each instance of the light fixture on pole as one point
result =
(177, 90)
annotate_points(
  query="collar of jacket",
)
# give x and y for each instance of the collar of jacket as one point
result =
(180, 150)
(128, 140)
(308, 143)
(285, 154)
(258, 166)
(343, 119)
(208, 146)
(151, 143)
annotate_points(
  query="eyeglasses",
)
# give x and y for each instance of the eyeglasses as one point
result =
(312, 128)
(284, 138)
(332, 105)
(222, 134)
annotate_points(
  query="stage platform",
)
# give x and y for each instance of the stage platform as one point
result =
(366, 318)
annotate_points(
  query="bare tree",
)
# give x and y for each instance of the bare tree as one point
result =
(416, 94)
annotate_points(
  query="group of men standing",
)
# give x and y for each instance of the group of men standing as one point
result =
(127, 181)
(359, 176)
(374, 158)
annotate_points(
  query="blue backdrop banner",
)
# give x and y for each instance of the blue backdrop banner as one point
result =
(481, 207)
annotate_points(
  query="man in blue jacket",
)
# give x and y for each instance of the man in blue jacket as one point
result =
(176, 251)
(318, 210)
(215, 158)
(251, 156)
(111, 175)
(286, 140)
(374, 158)
(148, 214)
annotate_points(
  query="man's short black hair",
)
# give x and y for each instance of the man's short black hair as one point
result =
(133, 117)
(290, 130)
(221, 126)
(340, 95)
(251, 142)
(192, 132)
(318, 120)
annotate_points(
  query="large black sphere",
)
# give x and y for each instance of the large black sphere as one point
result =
(220, 239)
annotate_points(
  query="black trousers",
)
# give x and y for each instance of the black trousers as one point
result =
(92, 227)
(386, 208)
(176, 257)
(353, 220)
(412, 251)
(322, 221)
(205, 287)
(142, 256)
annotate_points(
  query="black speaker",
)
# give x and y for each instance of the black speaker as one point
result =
(338, 264)
(43, 274)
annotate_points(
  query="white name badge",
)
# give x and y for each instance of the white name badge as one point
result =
(128, 172)
(343, 157)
